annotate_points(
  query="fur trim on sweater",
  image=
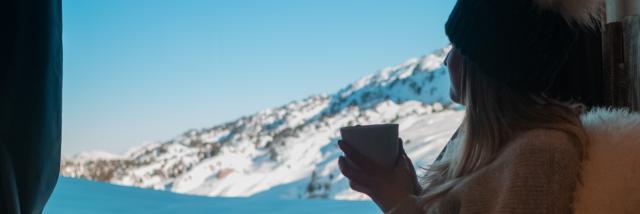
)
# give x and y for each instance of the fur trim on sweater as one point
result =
(611, 172)
(581, 12)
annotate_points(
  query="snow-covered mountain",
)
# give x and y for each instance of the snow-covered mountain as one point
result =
(289, 151)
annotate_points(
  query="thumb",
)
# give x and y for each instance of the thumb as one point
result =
(401, 149)
(401, 152)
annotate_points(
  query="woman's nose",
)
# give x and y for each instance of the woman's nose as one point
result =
(446, 59)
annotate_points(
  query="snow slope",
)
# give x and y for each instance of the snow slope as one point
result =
(290, 151)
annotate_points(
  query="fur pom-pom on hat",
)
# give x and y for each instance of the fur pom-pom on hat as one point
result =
(581, 12)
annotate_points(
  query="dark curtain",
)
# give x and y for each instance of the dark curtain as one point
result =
(30, 104)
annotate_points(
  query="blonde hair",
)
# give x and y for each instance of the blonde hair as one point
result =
(495, 114)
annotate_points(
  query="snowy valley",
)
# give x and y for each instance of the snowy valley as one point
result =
(289, 151)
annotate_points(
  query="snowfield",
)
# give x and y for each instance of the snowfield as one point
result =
(290, 152)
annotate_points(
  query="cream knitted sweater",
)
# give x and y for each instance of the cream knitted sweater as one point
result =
(538, 173)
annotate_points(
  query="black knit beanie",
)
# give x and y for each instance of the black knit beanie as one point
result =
(521, 43)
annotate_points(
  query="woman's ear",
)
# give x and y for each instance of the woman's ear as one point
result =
(446, 59)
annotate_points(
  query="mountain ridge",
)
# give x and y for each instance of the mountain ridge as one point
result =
(289, 151)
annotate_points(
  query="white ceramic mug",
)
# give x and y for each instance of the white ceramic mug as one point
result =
(377, 142)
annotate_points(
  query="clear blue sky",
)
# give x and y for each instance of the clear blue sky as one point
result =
(144, 70)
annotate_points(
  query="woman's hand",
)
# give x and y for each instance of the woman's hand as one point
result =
(386, 187)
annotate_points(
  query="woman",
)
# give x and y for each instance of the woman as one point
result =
(519, 151)
(500, 129)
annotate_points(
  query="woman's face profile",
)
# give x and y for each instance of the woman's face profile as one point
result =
(454, 63)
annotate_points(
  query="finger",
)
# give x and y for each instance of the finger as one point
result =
(401, 146)
(412, 170)
(353, 173)
(352, 153)
(404, 166)
(408, 165)
(356, 157)
(401, 151)
(360, 188)
(348, 170)
(408, 162)
(401, 154)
